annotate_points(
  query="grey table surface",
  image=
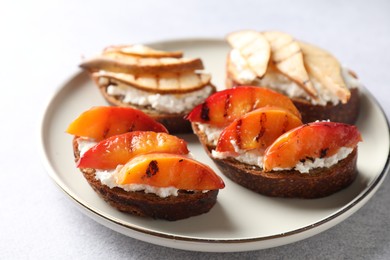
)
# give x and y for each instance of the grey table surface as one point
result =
(41, 45)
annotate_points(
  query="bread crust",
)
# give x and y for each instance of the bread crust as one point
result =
(317, 183)
(139, 203)
(343, 113)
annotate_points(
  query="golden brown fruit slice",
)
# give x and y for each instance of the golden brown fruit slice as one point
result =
(225, 106)
(142, 51)
(256, 130)
(162, 83)
(105, 121)
(169, 170)
(253, 53)
(119, 149)
(310, 141)
(325, 68)
(288, 59)
(119, 62)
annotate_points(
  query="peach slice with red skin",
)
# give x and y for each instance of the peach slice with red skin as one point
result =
(256, 130)
(119, 149)
(169, 170)
(105, 121)
(225, 106)
(310, 141)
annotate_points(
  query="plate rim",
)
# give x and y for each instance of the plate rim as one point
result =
(43, 121)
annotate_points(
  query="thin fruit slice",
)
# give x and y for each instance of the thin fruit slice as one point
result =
(288, 59)
(326, 69)
(119, 149)
(102, 122)
(256, 130)
(118, 62)
(310, 141)
(253, 47)
(164, 82)
(225, 106)
(169, 170)
(142, 51)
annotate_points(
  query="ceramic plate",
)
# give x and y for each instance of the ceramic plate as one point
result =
(241, 220)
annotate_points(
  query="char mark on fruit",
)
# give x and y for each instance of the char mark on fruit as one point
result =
(263, 120)
(204, 113)
(238, 133)
(227, 105)
(324, 152)
(152, 169)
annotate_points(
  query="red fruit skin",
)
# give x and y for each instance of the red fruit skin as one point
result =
(225, 106)
(119, 149)
(310, 141)
(102, 122)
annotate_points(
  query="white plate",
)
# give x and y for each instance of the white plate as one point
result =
(241, 220)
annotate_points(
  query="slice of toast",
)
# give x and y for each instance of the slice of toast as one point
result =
(139, 203)
(319, 182)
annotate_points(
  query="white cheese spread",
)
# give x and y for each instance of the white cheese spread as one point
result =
(212, 133)
(166, 103)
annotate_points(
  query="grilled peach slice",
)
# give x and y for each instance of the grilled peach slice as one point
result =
(104, 121)
(119, 149)
(256, 130)
(310, 141)
(225, 106)
(169, 170)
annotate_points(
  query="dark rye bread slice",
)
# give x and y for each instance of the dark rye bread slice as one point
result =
(175, 123)
(343, 113)
(319, 182)
(139, 203)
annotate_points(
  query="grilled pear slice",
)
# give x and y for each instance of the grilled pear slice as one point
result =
(326, 69)
(159, 83)
(123, 63)
(287, 56)
(142, 51)
(254, 49)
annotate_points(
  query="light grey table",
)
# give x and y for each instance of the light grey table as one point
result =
(40, 46)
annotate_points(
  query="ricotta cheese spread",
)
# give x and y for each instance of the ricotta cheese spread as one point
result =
(166, 103)
(212, 133)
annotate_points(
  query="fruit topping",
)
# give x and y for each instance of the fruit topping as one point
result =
(256, 130)
(308, 142)
(119, 149)
(169, 170)
(102, 122)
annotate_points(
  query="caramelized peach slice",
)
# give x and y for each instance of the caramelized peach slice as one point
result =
(256, 130)
(225, 106)
(105, 121)
(119, 149)
(169, 170)
(310, 141)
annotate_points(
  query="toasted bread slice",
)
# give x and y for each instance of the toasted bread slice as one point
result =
(123, 63)
(319, 182)
(139, 203)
